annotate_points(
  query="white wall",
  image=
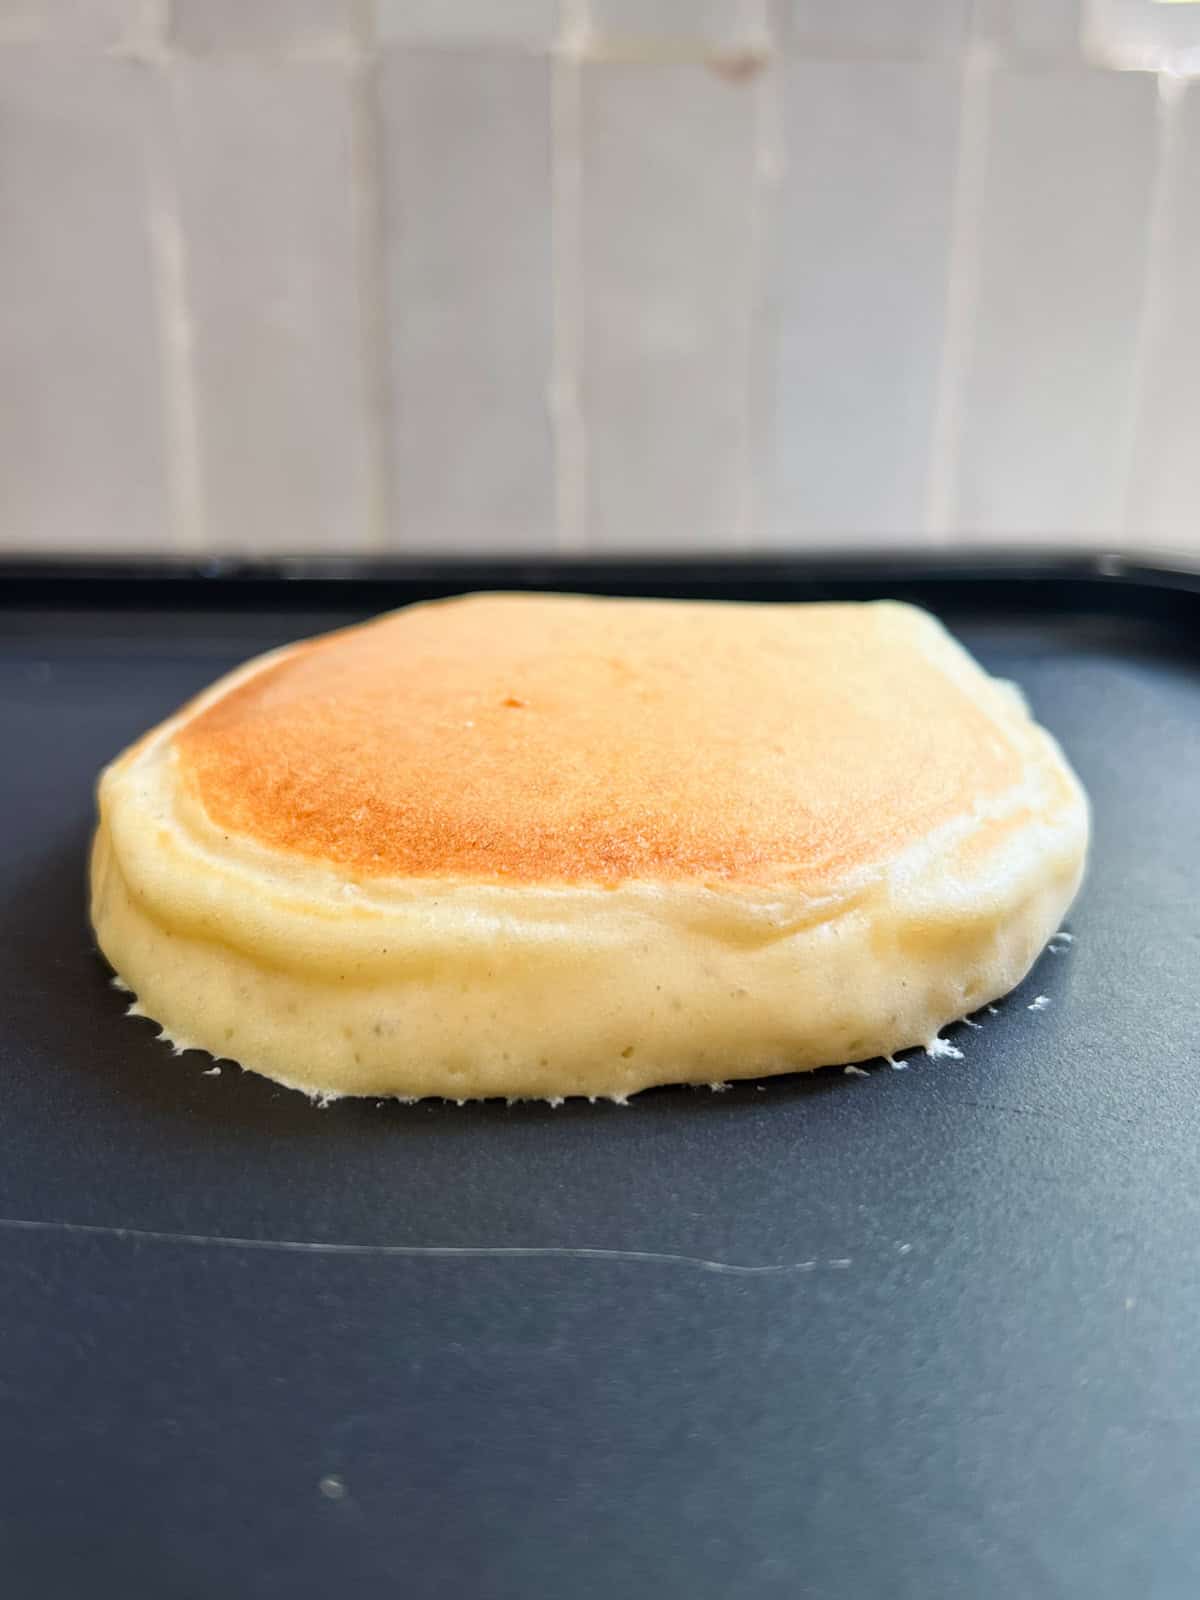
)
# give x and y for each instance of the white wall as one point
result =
(327, 275)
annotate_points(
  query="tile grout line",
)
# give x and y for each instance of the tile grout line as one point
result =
(568, 430)
(175, 326)
(765, 178)
(962, 291)
(367, 175)
(1171, 91)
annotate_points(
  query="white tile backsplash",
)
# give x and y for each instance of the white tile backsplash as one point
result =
(95, 24)
(529, 24)
(862, 246)
(1045, 433)
(1030, 30)
(265, 161)
(467, 252)
(301, 27)
(1164, 500)
(893, 29)
(81, 436)
(679, 29)
(667, 228)
(1143, 35)
(426, 275)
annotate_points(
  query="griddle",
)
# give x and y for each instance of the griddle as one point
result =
(927, 1332)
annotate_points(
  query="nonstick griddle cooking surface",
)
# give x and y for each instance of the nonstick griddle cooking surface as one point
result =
(931, 1332)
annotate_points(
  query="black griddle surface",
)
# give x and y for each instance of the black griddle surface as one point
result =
(929, 1332)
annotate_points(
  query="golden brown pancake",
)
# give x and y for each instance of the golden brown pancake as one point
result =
(547, 845)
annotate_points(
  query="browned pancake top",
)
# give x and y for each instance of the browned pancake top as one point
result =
(560, 739)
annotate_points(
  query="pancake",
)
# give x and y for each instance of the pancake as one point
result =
(544, 846)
